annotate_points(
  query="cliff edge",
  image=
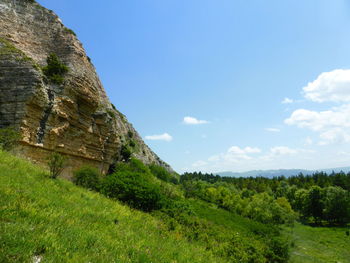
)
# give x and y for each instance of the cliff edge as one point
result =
(73, 117)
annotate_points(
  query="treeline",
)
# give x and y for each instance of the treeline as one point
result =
(263, 184)
(317, 198)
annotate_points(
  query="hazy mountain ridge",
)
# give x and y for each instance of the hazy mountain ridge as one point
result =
(281, 172)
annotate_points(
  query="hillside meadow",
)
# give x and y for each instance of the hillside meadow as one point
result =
(53, 220)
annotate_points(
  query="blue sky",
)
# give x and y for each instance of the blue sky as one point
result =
(229, 66)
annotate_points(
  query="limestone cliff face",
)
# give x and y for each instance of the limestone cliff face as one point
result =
(74, 118)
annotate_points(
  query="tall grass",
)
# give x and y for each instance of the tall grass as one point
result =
(319, 244)
(57, 221)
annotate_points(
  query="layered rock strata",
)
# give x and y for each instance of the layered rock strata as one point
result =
(74, 118)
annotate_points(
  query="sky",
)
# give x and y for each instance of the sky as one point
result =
(226, 85)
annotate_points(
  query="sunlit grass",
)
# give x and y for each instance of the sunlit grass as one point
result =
(320, 244)
(60, 222)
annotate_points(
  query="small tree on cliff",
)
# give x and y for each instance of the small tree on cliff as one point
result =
(56, 163)
(55, 69)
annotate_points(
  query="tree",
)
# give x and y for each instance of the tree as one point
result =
(55, 69)
(56, 163)
(336, 205)
(314, 203)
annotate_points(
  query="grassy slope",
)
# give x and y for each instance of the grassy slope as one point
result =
(311, 244)
(64, 223)
(320, 244)
(225, 218)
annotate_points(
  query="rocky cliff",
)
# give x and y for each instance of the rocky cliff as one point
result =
(73, 117)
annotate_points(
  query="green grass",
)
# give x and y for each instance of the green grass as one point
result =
(236, 238)
(7, 49)
(61, 222)
(226, 219)
(320, 244)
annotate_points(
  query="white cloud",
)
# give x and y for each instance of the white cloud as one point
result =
(282, 150)
(272, 129)
(287, 101)
(237, 150)
(193, 121)
(161, 137)
(235, 153)
(320, 120)
(308, 141)
(333, 125)
(214, 158)
(253, 158)
(330, 86)
(336, 135)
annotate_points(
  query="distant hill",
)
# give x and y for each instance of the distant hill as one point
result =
(280, 172)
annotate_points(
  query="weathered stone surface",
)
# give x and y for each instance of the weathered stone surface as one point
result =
(75, 118)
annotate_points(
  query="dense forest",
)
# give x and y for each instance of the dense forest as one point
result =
(318, 198)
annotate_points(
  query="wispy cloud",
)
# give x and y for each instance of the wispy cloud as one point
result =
(160, 137)
(272, 130)
(287, 101)
(199, 164)
(193, 121)
(283, 150)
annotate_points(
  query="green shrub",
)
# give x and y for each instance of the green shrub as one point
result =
(56, 163)
(87, 177)
(163, 174)
(278, 250)
(135, 189)
(55, 69)
(135, 166)
(133, 183)
(9, 137)
(132, 143)
(125, 153)
(70, 31)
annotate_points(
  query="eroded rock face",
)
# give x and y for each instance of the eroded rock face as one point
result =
(74, 118)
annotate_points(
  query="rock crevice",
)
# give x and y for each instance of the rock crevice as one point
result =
(74, 118)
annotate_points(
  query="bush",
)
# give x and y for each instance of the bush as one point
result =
(9, 137)
(87, 177)
(135, 189)
(125, 153)
(55, 69)
(163, 174)
(279, 250)
(56, 163)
